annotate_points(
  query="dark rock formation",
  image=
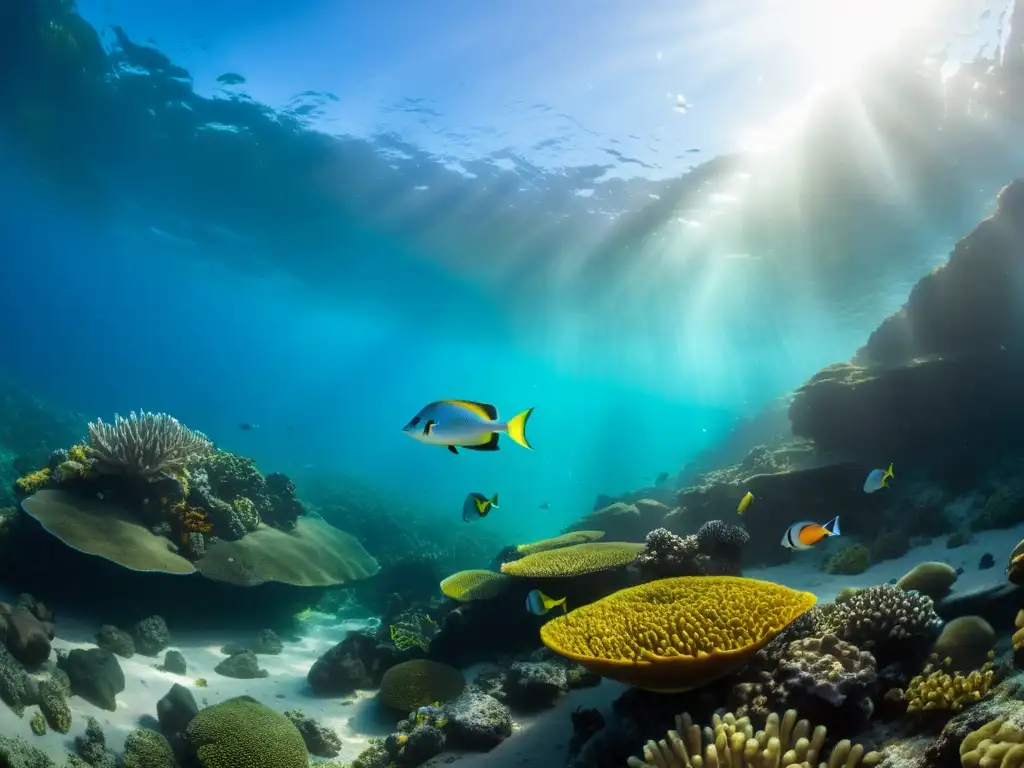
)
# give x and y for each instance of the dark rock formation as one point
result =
(937, 381)
(356, 662)
(116, 641)
(95, 675)
(151, 636)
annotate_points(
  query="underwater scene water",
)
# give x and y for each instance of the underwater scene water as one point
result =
(591, 384)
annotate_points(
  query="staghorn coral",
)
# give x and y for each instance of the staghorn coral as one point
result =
(147, 445)
(938, 689)
(565, 540)
(467, 586)
(417, 683)
(849, 560)
(997, 744)
(933, 579)
(810, 672)
(676, 634)
(878, 615)
(242, 732)
(575, 560)
(731, 742)
(413, 629)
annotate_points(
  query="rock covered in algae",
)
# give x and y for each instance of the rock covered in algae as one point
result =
(933, 579)
(676, 634)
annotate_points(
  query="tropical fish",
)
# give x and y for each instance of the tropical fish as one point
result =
(877, 479)
(661, 479)
(538, 603)
(477, 505)
(806, 534)
(246, 426)
(466, 424)
(545, 505)
(744, 503)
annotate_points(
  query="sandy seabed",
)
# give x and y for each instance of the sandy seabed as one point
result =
(538, 741)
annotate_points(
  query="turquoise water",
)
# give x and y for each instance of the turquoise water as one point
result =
(317, 220)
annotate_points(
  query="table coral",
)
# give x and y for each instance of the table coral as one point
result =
(467, 586)
(565, 540)
(676, 634)
(575, 560)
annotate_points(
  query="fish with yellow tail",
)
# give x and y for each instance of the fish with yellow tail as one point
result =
(538, 603)
(806, 534)
(466, 424)
(477, 506)
(878, 479)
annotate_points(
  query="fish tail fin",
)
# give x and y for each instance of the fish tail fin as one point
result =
(494, 501)
(888, 474)
(550, 602)
(832, 526)
(516, 428)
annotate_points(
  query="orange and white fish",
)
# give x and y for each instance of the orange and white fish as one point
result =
(806, 534)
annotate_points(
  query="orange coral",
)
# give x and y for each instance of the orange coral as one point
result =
(193, 519)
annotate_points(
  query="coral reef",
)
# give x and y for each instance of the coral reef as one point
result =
(932, 579)
(938, 689)
(574, 560)
(715, 550)
(565, 540)
(148, 445)
(467, 586)
(965, 643)
(415, 683)
(849, 560)
(733, 743)
(241, 731)
(676, 634)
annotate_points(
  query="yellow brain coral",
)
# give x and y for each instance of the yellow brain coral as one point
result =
(676, 634)
(575, 560)
(414, 684)
(467, 586)
(565, 540)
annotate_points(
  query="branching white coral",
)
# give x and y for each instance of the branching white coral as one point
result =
(150, 445)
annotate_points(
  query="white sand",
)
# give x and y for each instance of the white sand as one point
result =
(538, 741)
(804, 571)
(353, 717)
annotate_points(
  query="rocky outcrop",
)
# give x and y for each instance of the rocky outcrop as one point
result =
(937, 381)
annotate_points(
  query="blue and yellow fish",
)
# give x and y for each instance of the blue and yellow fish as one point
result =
(466, 424)
(477, 505)
(877, 479)
(538, 603)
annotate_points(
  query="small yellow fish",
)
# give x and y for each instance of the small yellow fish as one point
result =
(201, 683)
(744, 503)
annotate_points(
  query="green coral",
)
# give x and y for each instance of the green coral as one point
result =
(34, 481)
(232, 476)
(849, 561)
(413, 629)
(1002, 510)
(247, 513)
(15, 752)
(242, 733)
(38, 724)
(54, 705)
(374, 756)
(148, 749)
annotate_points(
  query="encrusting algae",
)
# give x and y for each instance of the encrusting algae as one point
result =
(676, 634)
(731, 742)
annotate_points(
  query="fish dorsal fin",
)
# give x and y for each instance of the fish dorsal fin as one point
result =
(483, 410)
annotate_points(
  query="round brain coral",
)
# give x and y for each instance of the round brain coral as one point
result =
(575, 560)
(242, 733)
(417, 683)
(676, 634)
(467, 586)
